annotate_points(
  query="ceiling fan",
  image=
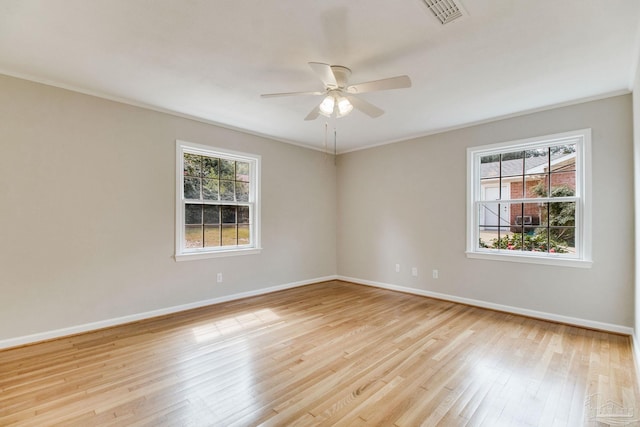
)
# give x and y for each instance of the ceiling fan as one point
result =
(340, 97)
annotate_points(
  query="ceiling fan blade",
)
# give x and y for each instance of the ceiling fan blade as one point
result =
(366, 107)
(275, 95)
(398, 82)
(325, 73)
(313, 114)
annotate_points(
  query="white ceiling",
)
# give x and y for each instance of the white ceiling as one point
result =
(211, 59)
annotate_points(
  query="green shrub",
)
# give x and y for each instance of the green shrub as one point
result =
(559, 214)
(536, 242)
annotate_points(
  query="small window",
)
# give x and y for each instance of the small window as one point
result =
(217, 210)
(529, 200)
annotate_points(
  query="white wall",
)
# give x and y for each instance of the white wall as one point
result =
(87, 191)
(405, 203)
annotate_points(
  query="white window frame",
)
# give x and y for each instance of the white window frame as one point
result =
(582, 258)
(182, 253)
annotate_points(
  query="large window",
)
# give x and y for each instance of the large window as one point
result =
(217, 208)
(529, 200)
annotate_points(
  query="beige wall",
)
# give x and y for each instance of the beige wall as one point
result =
(405, 203)
(87, 192)
(87, 200)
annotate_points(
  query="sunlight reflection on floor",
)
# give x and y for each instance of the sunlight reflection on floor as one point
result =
(230, 325)
(212, 395)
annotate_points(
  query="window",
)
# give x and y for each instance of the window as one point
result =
(528, 200)
(217, 210)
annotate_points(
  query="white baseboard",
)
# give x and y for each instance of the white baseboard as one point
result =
(73, 330)
(58, 333)
(591, 324)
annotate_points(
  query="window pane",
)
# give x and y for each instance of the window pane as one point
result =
(229, 214)
(490, 166)
(227, 169)
(527, 215)
(537, 185)
(192, 214)
(242, 191)
(229, 235)
(562, 214)
(192, 164)
(563, 184)
(506, 240)
(536, 161)
(516, 217)
(500, 238)
(243, 215)
(193, 236)
(505, 215)
(487, 239)
(544, 214)
(489, 189)
(489, 216)
(564, 164)
(530, 217)
(243, 235)
(211, 236)
(210, 189)
(537, 240)
(517, 241)
(486, 232)
(227, 192)
(210, 167)
(192, 188)
(494, 225)
(563, 239)
(211, 214)
(512, 163)
(242, 171)
(516, 189)
(560, 217)
(562, 155)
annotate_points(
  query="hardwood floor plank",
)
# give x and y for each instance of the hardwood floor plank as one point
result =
(328, 354)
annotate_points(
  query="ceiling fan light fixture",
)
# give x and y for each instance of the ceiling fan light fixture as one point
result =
(344, 107)
(327, 105)
(340, 98)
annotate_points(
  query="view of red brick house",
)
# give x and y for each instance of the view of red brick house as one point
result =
(522, 178)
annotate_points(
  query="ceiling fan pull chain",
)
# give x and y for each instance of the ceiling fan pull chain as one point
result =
(326, 132)
(335, 147)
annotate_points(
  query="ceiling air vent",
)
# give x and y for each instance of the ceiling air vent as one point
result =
(445, 10)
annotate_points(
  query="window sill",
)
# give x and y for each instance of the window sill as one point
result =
(192, 256)
(531, 259)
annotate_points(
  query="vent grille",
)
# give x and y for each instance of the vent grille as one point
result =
(445, 10)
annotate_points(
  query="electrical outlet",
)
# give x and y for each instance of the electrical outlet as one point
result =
(435, 274)
(414, 271)
(397, 268)
(219, 278)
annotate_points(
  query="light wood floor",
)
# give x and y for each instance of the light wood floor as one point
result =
(326, 354)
